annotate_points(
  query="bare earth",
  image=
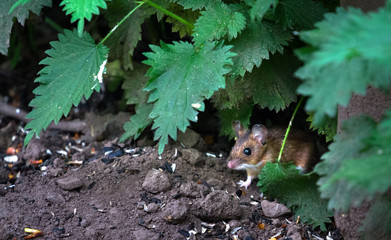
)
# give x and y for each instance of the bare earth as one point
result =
(116, 191)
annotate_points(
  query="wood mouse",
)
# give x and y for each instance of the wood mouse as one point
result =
(255, 147)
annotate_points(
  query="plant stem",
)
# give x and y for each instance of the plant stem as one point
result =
(54, 25)
(123, 19)
(289, 128)
(171, 14)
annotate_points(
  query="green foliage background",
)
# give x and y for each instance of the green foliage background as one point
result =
(241, 55)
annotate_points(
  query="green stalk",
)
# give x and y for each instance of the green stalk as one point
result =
(123, 19)
(289, 128)
(54, 25)
(171, 14)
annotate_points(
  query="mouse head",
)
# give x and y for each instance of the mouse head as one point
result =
(249, 147)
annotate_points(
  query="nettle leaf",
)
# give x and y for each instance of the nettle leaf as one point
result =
(21, 13)
(273, 84)
(80, 9)
(226, 116)
(138, 122)
(125, 38)
(181, 77)
(299, 192)
(348, 144)
(236, 94)
(217, 21)
(376, 224)
(133, 85)
(255, 43)
(299, 14)
(177, 26)
(377, 171)
(350, 50)
(327, 127)
(74, 69)
(374, 160)
(259, 7)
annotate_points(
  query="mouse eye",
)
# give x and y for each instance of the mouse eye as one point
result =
(247, 151)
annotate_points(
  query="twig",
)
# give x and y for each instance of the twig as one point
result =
(68, 126)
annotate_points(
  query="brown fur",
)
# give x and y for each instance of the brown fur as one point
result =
(299, 148)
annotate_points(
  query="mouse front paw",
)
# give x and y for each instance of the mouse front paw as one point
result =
(244, 184)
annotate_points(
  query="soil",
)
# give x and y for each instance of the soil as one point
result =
(111, 190)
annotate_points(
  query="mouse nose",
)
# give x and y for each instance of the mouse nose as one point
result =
(230, 165)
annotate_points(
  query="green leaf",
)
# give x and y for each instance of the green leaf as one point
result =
(255, 43)
(259, 7)
(133, 85)
(377, 169)
(237, 94)
(181, 77)
(299, 14)
(138, 122)
(348, 144)
(327, 126)
(125, 38)
(196, 4)
(376, 224)
(177, 26)
(350, 50)
(226, 116)
(299, 192)
(374, 160)
(74, 69)
(273, 85)
(357, 168)
(217, 21)
(21, 13)
(81, 9)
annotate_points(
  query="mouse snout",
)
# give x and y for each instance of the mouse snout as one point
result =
(234, 163)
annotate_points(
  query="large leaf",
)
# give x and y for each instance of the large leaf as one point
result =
(299, 192)
(377, 169)
(374, 160)
(255, 44)
(182, 76)
(348, 144)
(273, 84)
(74, 69)
(82, 9)
(350, 50)
(218, 21)
(21, 13)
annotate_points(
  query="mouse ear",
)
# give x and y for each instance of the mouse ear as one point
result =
(259, 133)
(238, 128)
